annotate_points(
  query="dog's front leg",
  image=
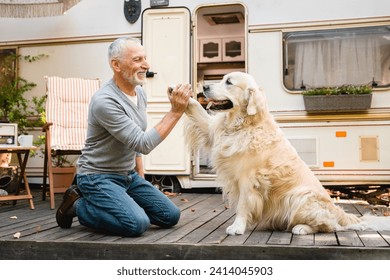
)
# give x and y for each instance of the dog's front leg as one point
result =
(240, 222)
(197, 114)
(196, 126)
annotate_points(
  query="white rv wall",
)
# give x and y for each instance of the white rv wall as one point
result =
(98, 20)
(105, 17)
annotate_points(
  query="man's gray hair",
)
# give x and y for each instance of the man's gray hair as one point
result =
(117, 47)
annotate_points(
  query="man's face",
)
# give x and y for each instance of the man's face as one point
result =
(133, 65)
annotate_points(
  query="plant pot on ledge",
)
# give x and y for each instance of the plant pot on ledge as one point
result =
(346, 98)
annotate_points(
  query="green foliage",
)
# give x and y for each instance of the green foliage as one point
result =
(342, 90)
(14, 107)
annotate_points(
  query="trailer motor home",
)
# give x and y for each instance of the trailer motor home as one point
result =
(286, 45)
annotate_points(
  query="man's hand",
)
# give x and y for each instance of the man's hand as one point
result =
(179, 96)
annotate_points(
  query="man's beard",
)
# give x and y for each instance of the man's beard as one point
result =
(134, 80)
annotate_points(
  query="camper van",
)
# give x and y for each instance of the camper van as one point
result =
(287, 46)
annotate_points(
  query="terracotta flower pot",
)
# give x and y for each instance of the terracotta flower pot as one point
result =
(63, 177)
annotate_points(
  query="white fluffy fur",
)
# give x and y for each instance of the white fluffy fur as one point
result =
(261, 173)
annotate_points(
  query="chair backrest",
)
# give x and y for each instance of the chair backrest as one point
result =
(67, 109)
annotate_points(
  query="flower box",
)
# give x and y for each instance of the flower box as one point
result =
(342, 98)
(337, 102)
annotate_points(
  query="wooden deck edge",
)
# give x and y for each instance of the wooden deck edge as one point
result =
(35, 250)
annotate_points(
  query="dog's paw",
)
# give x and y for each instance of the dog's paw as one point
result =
(192, 102)
(302, 230)
(235, 230)
(192, 105)
(232, 230)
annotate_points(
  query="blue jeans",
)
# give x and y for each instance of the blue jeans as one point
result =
(123, 205)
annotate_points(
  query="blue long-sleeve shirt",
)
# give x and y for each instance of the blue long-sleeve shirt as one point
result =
(116, 132)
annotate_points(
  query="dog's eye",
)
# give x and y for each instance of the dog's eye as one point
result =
(228, 82)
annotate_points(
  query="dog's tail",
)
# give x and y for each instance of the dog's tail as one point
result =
(370, 222)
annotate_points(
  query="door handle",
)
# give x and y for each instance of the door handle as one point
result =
(150, 74)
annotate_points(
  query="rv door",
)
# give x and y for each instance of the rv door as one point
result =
(166, 37)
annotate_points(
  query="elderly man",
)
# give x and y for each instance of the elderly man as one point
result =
(112, 194)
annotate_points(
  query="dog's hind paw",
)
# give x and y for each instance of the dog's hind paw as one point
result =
(302, 230)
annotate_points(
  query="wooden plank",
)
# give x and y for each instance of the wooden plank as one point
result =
(348, 207)
(200, 233)
(363, 208)
(34, 233)
(30, 225)
(218, 235)
(385, 235)
(54, 233)
(237, 240)
(258, 237)
(204, 214)
(280, 238)
(325, 239)
(78, 232)
(349, 238)
(372, 239)
(302, 240)
(187, 202)
(21, 214)
(108, 238)
(91, 236)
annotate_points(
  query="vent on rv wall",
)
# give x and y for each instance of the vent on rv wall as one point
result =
(369, 148)
(224, 18)
(306, 149)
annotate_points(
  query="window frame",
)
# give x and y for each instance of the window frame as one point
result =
(317, 33)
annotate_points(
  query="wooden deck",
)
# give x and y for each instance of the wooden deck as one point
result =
(200, 234)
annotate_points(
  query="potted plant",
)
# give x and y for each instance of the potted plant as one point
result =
(343, 98)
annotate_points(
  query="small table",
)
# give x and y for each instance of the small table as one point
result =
(19, 151)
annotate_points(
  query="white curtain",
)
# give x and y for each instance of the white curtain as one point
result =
(337, 61)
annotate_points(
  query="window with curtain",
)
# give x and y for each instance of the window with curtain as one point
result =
(329, 58)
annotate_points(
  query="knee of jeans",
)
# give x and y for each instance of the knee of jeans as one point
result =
(137, 228)
(174, 217)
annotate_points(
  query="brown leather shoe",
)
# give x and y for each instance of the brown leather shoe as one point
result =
(63, 218)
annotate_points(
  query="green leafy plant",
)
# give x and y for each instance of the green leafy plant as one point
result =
(14, 107)
(342, 90)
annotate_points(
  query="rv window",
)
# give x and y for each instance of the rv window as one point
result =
(326, 58)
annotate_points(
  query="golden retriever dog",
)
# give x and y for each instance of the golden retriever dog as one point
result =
(262, 175)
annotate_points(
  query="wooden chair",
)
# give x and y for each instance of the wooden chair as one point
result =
(66, 124)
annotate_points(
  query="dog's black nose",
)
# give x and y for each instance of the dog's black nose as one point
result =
(206, 88)
(200, 95)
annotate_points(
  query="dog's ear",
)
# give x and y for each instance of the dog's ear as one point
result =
(254, 101)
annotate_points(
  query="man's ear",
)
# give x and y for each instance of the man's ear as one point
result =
(115, 65)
